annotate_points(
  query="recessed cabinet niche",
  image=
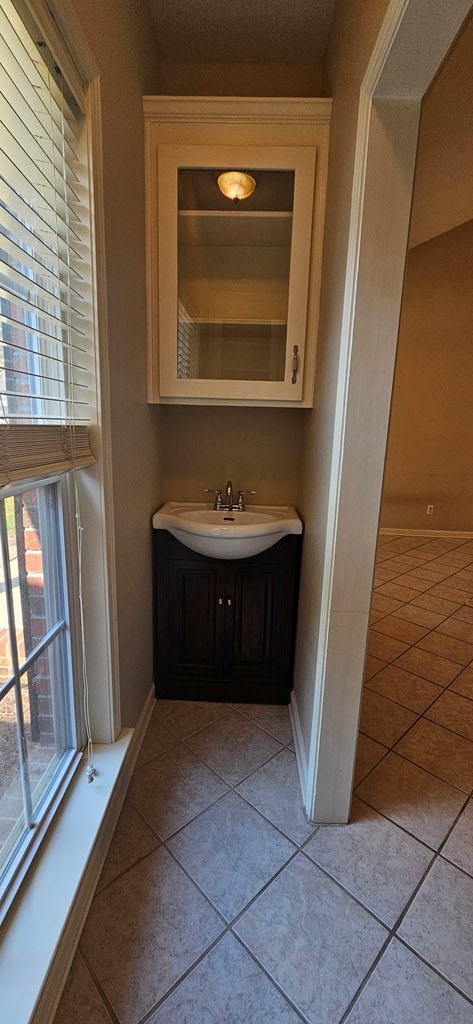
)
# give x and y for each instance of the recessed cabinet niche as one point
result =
(233, 283)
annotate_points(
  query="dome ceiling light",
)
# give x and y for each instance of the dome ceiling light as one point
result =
(236, 185)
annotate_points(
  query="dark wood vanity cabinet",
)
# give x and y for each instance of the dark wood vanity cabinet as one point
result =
(224, 630)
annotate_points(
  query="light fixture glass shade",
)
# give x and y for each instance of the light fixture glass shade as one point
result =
(236, 185)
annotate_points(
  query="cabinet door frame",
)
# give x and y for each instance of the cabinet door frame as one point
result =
(301, 160)
(249, 123)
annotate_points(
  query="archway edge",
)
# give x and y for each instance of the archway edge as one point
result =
(399, 73)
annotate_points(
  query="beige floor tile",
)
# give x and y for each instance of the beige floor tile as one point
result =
(423, 616)
(428, 666)
(457, 628)
(384, 720)
(413, 798)
(439, 924)
(385, 605)
(414, 582)
(465, 613)
(458, 559)
(401, 593)
(426, 572)
(405, 688)
(399, 563)
(436, 604)
(446, 755)
(453, 712)
(368, 753)
(451, 593)
(403, 990)
(172, 789)
(273, 718)
(383, 575)
(464, 683)
(375, 617)
(231, 852)
(398, 544)
(157, 739)
(434, 547)
(401, 629)
(185, 717)
(275, 791)
(80, 1001)
(303, 918)
(207, 996)
(448, 647)
(411, 582)
(377, 862)
(459, 846)
(372, 666)
(144, 932)
(385, 648)
(132, 840)
(233, 747)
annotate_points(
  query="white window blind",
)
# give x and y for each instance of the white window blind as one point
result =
(47, 389)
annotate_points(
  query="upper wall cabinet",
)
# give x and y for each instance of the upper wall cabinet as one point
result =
(233, 279)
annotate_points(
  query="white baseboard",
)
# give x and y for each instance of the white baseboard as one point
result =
(392, 532)
(301, 754)
(42, 929)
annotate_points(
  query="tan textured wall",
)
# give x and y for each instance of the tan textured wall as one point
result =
(258, 449)
(241, 79)
(122, 40)
(431, 429)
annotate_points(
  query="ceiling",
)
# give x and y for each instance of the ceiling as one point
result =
(250, 30)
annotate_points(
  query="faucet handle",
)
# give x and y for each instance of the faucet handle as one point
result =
(218, 495)
(241, 499)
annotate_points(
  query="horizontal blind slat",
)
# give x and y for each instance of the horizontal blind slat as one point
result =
(15, 226)
(28, 450)
(47, 361)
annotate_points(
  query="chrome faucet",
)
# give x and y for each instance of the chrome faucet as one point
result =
(229, 495)
(228, 503)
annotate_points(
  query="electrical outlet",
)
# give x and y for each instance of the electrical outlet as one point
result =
(430, 510)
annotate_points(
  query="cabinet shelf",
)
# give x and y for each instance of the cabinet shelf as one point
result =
(240, 229)
(222, 228)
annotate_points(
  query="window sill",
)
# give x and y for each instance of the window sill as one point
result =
(34, 929)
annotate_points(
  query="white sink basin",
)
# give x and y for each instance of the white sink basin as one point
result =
(220, 534)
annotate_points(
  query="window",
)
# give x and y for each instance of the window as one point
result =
(47, 396)
(37, 728)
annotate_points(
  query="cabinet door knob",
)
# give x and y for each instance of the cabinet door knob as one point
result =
(229, 602)
(220, 601)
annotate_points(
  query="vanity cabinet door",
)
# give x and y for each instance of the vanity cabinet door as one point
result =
(195, 638)
(258, 642)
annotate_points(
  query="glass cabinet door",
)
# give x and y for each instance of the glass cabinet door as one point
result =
(234, 260)
(233, 273)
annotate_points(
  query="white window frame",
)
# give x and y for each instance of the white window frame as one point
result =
(94, 483)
